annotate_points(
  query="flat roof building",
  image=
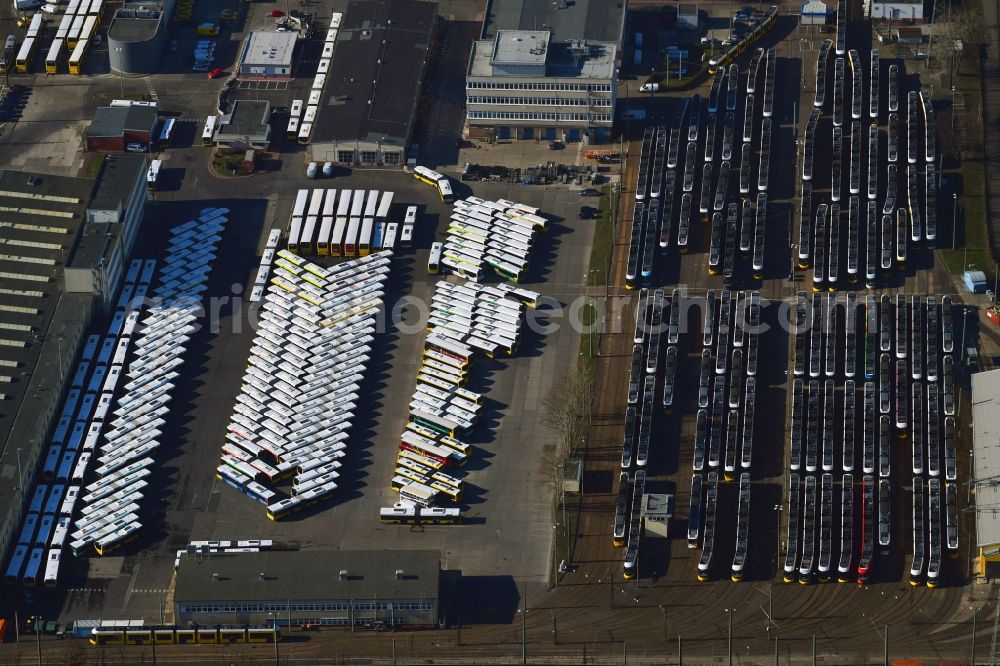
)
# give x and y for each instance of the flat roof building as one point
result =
(41, 326)
(372, 588)
(115, 127)
(895, 11)
(246, 127)
(545, 70)
(114, 216)
(374, 82)
(267, 55)
(986, 470)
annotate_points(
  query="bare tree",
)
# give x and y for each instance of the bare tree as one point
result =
(567, 407)
(961, 33)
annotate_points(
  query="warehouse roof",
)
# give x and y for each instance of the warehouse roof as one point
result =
(986, 455)
(309, 574)
(374, 81)
(269, 49)
(113, 121)
(597, 20)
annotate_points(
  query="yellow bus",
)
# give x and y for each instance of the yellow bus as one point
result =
(25, 55)
(54, 56)
(79, 55)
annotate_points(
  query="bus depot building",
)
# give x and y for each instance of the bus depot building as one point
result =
(364, 588)
(986, 471)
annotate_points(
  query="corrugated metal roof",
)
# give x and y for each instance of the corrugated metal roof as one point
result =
(986, 454)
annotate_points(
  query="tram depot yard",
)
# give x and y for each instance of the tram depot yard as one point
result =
(350, 365)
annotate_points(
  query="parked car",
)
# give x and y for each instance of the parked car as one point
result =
(135, 147)
(587, 212)
(312, 170)
(649, 87)
(216, 73)
(328, 169)
(276, 13)
(590, 192)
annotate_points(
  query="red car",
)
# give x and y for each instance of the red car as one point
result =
(215, 73)
(277, 13)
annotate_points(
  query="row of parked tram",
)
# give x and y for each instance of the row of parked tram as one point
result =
(110, 635)
(898, 351)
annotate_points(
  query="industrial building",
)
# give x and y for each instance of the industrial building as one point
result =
(41, 325)
(373, 88)
(113, 218)
(814, 12)
(895, 11)
(136, 39)
(267, 55)
(986, 471)
(114, 128)
(246, 127)
(545, 70)
(371, 588)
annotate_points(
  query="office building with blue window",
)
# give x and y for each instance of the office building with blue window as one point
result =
(545, 70)
(369, 588)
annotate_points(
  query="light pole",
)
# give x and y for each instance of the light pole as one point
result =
(777, 553)
(729, 640)
(884, 635)
(954, 218)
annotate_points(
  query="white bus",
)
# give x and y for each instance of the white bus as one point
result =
(434, 259)
(153, 174)
(208, 134)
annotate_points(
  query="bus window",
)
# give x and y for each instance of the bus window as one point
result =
(434, 260)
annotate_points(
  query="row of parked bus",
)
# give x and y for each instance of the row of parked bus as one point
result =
(489, 234)
(907, 396)
(77, 29)
(48, 521)
(264, 267)
(112, 502)
(293, 416)
(300, 125)
(465, 320)
(353, 224)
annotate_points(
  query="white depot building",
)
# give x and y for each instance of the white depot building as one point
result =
(545, 70)
(268, 54)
